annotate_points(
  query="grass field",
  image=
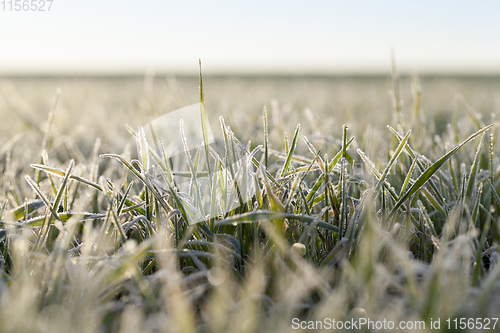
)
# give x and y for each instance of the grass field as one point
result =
(383, 204)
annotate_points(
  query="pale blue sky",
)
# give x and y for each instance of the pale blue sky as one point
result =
(317, 37)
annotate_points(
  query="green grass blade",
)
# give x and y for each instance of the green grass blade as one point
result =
(46, 201)
(495, 194)
(192, 169)
(276, 204)
(310, 166)
(474, 116)
(266, 139)
(145, 181)
(371, 166)
(65, 216)
(142, 143)
(67, 175)
(165, 159)
(204, 126)
(429, 172)
(422, 168)
(473, 169)
(266, 215)
(291, 151)
(343, 183)
(124, 199)
(321, 178)
(408, 177)
(61, 173)
(19, 212)
(393, 159)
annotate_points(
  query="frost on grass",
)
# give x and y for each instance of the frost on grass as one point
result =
(387, 223)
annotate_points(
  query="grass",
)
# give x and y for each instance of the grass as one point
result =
(338, 227)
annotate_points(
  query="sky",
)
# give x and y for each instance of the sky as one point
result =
(251, 37)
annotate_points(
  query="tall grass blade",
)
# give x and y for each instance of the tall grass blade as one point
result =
(393, 159)
(331, 165)
(266, 139)
(422, 168)
(46, 201)
(204, 126)
(124, 199)
(473, 169)
(143, 145)
(290, 152)
(61, 173)
(343, 206)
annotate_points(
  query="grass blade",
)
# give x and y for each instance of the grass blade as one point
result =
(427, 174)
(394, 157)
(267, 215)
(204, 126)
(473, 169)
(61, 173)
(266, 139)
(291, 151)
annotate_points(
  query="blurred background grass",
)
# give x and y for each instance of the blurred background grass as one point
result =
(91, 107)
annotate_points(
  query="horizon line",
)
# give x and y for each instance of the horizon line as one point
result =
(256, 74)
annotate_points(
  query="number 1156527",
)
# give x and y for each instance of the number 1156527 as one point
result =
(25, 5)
